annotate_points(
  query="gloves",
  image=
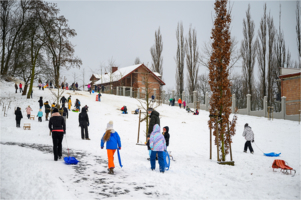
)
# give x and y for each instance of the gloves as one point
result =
(119, 148)
(101, 147)
(252, 141)
(88, 124)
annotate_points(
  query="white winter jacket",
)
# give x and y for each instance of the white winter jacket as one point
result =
(248, 134)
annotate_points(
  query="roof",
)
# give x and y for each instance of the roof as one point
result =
(120, 74)
(157, 74)
(289, 72)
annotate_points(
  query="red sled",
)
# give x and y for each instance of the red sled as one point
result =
(97, 97)
(283, 166)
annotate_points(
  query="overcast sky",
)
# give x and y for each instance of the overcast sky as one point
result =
(124, 30)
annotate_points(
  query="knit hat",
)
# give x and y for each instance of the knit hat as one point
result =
(150, 109)
(55, 110)
(246, 125)
(110, 125)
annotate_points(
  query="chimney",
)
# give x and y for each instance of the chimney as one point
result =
(114, 69)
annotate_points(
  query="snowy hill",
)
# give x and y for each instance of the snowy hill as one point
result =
(29, 172)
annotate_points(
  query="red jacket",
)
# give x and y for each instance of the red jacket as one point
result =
(20, 85)
(179, 101)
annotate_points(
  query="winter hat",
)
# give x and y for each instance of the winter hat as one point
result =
(150, 109)
(55, 110)
(110, 125)
(246, 125)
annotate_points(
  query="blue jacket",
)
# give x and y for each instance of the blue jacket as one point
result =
(40, 114)
(112, 142)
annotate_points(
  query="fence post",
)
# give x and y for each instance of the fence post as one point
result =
(138, 93)
(111, 89)
(233, 103)
(283, 106)
(194, 99)
(131, 92)
(123, 90)
(248, 104)
(163, 96)
(117, 89)
(265, 98)
(206, 101)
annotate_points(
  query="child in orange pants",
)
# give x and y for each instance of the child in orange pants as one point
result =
(112, 139)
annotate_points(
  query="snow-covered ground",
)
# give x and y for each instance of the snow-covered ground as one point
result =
(29, 172)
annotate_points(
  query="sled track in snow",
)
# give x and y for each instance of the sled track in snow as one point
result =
(92, 177)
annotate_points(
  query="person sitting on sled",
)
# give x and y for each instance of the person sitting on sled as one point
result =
(113, 141)
(137, 111)
(249, 136)
(196, 112)
(125, 110)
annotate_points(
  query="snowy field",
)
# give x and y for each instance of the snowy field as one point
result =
(29, 172)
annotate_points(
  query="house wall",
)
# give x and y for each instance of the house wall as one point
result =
(152, 81)
(291, 90)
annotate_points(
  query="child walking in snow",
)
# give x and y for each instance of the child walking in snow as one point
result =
(158, 146)
(19, 116)
(40, 115)
(28, 111)
(249, 136)
(112, 139)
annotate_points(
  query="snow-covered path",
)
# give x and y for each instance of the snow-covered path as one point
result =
(29, 172)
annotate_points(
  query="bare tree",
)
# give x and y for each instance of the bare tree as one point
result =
(156, 52)
(137, 61)
(248, 50)
(271, 40)
(83, 79)
(206, 53)
(203, 85)
(192, 59)
(261, 51)
(298, 28)
(180, 59)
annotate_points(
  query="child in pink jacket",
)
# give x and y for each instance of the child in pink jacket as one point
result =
(184, 104)
(28, 111)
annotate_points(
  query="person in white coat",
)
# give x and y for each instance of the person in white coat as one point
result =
(249, 136)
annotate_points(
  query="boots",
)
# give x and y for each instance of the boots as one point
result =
(111, 170)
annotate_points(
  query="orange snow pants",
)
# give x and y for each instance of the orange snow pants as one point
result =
(111, 157)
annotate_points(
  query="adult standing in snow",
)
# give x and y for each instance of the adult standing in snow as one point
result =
(113, 141)
(64, 111)
(43, 85)
(89, 88)
(180, 102)
(41, 102)
(83, 120)
(63, 100)
(67, 86)
(28, 111)
(47, 109)
(249, 136)
(158, 146)
(173, 101)
(76, 85)
(20, 87)
(58, 128)
(154, 119)
(16, 87)
(19, 116)
(77, 105)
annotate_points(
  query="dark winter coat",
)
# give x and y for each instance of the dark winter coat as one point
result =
(16, 86)
(47, 108)
(57, 122)
(154, 119)
(63, 99)
(18, 114)
(83, 118)
(166, 135)
(41, 101)
(77, 103)
(64, 110)
(125, 109)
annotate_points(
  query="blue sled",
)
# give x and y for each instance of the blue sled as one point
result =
(70, 160)
(119, 159)
(166, 160)
(272, 154)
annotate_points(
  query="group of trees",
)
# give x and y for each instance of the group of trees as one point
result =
(266, 49)
(35, 41)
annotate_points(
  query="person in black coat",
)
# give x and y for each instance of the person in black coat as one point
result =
(166, 135)
(58, 128)
(41, 102)
(173, 101)
(83, 120)
(19, 116)
(64, 110)
(63, 101)
(154, 119)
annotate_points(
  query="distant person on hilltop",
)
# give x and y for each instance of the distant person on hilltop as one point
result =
(41, 102)
(47, 109)
(83, 120)
(16, 87)
(28, 111)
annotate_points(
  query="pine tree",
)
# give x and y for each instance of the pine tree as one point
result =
(220, 101)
